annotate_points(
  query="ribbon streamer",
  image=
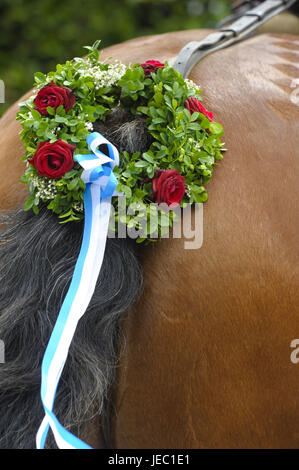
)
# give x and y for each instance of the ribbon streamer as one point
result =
(100, 187)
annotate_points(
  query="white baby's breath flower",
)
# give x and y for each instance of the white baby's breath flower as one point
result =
(197, 145)
(104, 78)
(188, 191)
(192, 86)
(194, 143)
(46, 188)
(89, 126)
(78, 206)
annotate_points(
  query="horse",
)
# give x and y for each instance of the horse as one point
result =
(179, 348)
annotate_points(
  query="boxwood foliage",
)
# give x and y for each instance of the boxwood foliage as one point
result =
(187, 142)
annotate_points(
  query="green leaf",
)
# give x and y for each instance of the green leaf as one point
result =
(73, 184)
(60, 110)
(36, 115)
(148, 156)
(70, 174)
(194, 126)
(150, 171)
(35, 209)
(139, 193)
(158, 120)
(215, 128)
(194, 116)
(127, 191)
(61, 119)
(50, 110)
(143, 109)
(141, 164)
(29, 203)
(39, 77)
(66, 214)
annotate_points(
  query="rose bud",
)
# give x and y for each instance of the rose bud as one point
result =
(194, 105)
(53, 160)
(151, 66)
(54, 95)
(168, 186)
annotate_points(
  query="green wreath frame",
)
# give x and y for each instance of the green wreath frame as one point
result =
(187, 142)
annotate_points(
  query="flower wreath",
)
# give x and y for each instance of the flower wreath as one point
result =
(67, 102)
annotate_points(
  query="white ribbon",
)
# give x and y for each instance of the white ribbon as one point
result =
(100, 187)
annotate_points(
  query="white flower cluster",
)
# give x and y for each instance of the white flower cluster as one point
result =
(78, 206)
(88, 125)
(104, 78)
(197, 145)
(192, 86)
(194, 143)
(46, 188)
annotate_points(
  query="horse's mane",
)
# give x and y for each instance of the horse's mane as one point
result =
(37, 256)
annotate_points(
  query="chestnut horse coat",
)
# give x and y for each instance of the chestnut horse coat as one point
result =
(205, 360)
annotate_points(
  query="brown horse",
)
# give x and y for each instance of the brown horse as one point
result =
(205, 359)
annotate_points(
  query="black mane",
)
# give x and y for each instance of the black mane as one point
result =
(37, 258)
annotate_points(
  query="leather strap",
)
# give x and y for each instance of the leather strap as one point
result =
(194, 51)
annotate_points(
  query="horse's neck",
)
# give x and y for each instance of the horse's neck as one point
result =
(207, 359)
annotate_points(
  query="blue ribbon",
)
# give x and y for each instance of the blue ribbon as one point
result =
(100, 186)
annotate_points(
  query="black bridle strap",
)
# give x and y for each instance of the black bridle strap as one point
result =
(194, 51)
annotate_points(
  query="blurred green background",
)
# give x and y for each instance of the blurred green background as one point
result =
(36, 35)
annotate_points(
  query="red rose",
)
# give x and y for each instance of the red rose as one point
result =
(53, 160)
(168, 186)
(151, 66)
(193, 105)
(54, 96)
